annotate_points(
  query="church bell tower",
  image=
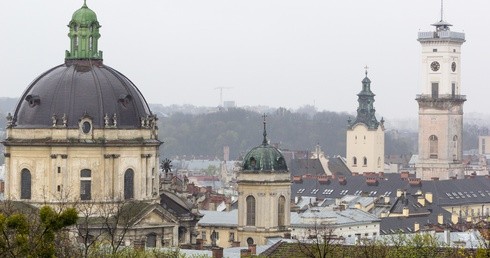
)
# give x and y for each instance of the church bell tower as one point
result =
(440, 103)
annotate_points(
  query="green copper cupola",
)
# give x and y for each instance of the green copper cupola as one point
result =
(84, 35)
(366, 113)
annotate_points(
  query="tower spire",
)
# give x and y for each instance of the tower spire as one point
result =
(442, 10)
(264, 142)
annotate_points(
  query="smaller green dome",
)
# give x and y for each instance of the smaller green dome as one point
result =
(264, 157)
(84, 16)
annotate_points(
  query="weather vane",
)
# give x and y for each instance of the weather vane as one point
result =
(366, 69)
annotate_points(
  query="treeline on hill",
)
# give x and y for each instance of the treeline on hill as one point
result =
(240, 129)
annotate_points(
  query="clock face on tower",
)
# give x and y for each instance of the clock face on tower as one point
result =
(435, 66)
(453, 66)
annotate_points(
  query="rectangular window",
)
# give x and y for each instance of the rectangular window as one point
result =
(59, 170)
(453, 89)
(232, 237)
(435, 90)
(434, 50)
(85, 190)
(203, 235)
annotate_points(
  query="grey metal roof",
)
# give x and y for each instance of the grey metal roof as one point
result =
(219, 218)
(81, 87)
(335, 217)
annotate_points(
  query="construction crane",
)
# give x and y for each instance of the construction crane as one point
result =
(221, 93)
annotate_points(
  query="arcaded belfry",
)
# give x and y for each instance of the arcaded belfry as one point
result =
(264, 194)
(82, 131)
(440, 104)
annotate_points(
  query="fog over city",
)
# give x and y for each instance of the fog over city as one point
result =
(277, 53)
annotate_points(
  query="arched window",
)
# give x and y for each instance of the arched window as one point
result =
(433, 147)
(379, 161)
(364, 161)
(129, 184)
(85, 184)
(25, 184)
(354, 161)
(250, 210)
(281, 206)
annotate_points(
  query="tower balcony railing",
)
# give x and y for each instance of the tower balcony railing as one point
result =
(447, 34)
(441, 97)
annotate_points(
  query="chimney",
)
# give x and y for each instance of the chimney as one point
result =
(217, 252)
(199, 243)
(252, 248)
(421, 200)
(399, 192)
(440, 219)
(428, 197)
(342, 180)
(454, 218)
(358, 205)
(416, 227)
(405, 211)
(387, 199)
(244, 253)
(447, 237)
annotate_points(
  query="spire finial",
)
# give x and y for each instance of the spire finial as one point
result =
(442, 10)
(84, 2)
(366, 70)
(264, 142)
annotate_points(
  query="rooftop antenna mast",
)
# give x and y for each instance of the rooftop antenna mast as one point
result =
(221, 93)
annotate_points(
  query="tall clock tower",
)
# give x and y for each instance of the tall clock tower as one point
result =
(440, 104)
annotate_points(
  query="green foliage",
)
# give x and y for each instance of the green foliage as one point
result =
(101, 252)
(28, 233)
(241, 130)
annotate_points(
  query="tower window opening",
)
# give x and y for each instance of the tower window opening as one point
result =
(364, 161)
(435, 90)
(483, 146)
(453, 89)
(354, 161)
(250, 210)
(281, 211)
(90, 42)
(433, 147)
(434, 50)
(75, 41)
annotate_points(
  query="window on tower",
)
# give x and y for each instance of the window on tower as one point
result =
(281, 211)
(250, 210)
(354, 161)
(364, 161)
(435, 90)
(433, 147)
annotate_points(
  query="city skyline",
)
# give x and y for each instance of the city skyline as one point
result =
(287, 54)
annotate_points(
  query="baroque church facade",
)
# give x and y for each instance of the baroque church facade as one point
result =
(82, 134)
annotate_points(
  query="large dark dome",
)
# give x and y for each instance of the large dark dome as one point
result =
(78, 88)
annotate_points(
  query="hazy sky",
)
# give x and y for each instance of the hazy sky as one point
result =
(279, 53)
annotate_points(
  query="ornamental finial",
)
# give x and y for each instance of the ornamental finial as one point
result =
(85, 3)
(366, 70)
(264, 142)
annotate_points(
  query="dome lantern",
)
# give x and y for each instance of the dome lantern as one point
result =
(84, 35)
